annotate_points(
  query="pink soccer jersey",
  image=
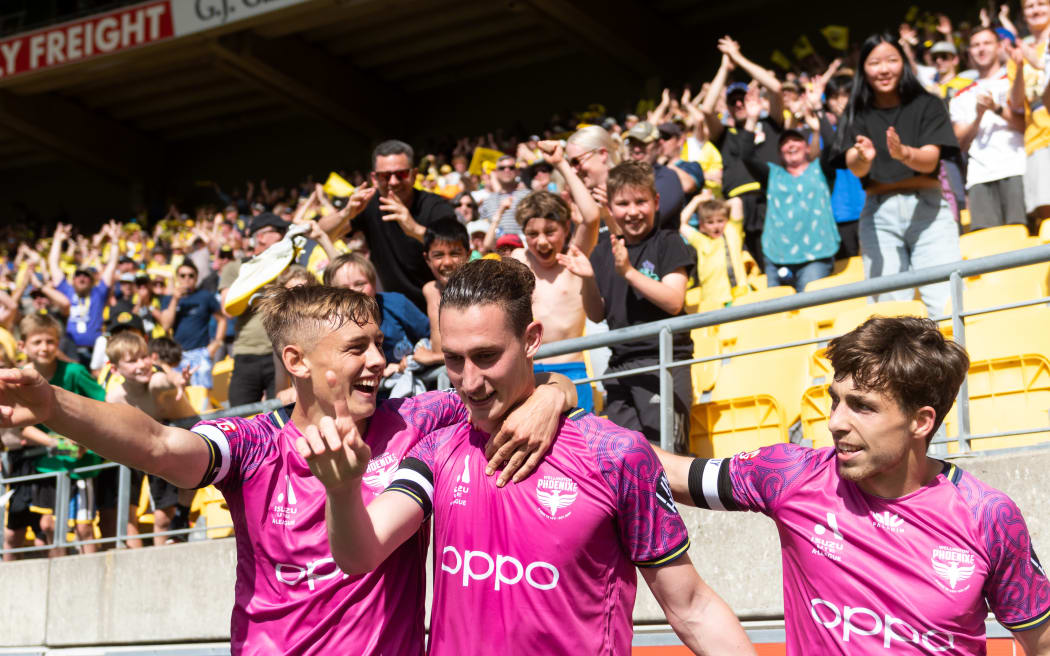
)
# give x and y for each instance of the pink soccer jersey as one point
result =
(867, 575)
(545, 566)
(291, 598)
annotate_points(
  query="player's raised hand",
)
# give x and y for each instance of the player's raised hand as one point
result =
(25, 398)
(333, 447)
(576, 262)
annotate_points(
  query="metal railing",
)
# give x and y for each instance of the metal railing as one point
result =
(954, 273)
(63, 483)
(664, 330)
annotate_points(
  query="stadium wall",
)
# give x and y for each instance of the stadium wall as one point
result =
(183, 593)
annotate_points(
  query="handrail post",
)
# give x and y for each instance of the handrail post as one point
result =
(3, 506)
(666, 390)
(123, 492)
(962, 402)
(61, 509)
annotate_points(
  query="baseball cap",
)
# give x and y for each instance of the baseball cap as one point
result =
(225, 251)
(944, 47)
(268, 220)
(84, 272)
(509, 240)
(736, 87)
(127, 277)
(670, 129)
(126, 321)
(478, 226)
(643, 131)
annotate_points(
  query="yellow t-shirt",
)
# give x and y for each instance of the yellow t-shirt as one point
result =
(712, 270)
(1037, 116)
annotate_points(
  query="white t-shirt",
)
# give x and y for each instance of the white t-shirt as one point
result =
(997, 151)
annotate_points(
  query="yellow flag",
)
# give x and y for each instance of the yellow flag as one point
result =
(837, 36)
(781, 60)
(802, 48)
(337, 186)
(913, 13)
(481, 157)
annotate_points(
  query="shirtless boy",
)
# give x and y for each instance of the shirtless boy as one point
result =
(557, 301)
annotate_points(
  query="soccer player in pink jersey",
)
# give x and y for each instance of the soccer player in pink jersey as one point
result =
(885, 550)
(546, 566)
(290, 597)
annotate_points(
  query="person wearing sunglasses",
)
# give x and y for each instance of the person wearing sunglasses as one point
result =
(186, 314)
(393, 217)
(506, 186)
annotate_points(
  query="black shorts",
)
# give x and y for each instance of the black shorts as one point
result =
(634, 402)
(43, 501)
(19, 520)
(108, 482)
(162, 493)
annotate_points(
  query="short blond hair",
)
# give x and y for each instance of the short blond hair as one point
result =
(301, 315)
(126, 344)
(32, 324)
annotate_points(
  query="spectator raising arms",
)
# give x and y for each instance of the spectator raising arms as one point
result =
(893, 137)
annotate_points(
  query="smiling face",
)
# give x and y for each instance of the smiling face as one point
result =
(883, 69)
(394, 174)
(1036, 14)
(137, 367)
(41, 348)
(355, 355)
(591, 164)
(545, 238)
(873, 435)
(714, 225)
(443, 258)
(633, 210)
(984, 50)
(793, 152)
(489, 365)
(352, 277)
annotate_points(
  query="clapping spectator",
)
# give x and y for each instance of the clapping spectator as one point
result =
(893, 137)
(187, 314)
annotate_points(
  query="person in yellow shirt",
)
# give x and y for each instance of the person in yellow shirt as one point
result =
(721, 264)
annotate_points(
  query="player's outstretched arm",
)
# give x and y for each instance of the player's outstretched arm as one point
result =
(677, 468)
(1036, 642)
(697, 614)
(115, 431)
(360, 537)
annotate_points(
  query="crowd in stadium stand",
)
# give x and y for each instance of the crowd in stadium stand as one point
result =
(756, 178)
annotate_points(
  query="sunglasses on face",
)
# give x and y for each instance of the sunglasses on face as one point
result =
(575, 162)
(187, 275)
(400, 174)
(506, 167)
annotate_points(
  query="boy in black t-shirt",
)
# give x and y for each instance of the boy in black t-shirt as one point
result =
(636, 277)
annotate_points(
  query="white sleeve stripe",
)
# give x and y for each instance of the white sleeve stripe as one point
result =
(222, 442)
(709, 484)
(405, 474)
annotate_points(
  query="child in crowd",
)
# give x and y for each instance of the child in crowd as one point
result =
(638, 276)
(446, 247)
(16, 442)
(146, 387)
(721, 262)
(557, 301)
(40, 336)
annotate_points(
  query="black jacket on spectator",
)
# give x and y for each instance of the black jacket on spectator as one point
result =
(397, 257)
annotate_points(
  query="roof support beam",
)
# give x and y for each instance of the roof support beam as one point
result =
(310, 79)
(74, 133)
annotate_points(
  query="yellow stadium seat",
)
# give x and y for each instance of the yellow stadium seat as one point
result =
(852, 266)
(220, 381)
(211, 505)
(850, 319)
(1010, 332)
(756, 397)
(1002, 287)
(758, 283)
(1044, 231)
(1010, 393)
(692, 300)
(819, 365)
(723, 428)
(824, 315)
(766, 294)
(815, 410)
(704, 373)
(198, 397)
(1000, 239)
